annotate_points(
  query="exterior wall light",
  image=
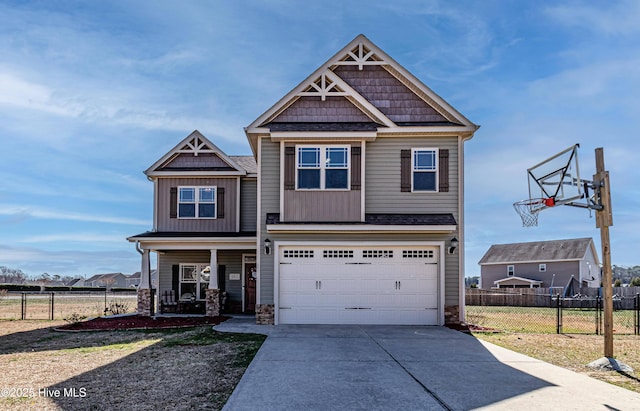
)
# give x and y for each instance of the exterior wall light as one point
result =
(267, 246)
(453, 244)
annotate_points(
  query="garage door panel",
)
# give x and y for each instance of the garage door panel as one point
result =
(374, 285)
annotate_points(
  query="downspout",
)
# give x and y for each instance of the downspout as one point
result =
(139, 250)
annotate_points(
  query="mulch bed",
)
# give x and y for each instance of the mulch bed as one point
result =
(137, 322)
(469, 328)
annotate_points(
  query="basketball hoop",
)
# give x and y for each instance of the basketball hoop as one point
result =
(528, 209)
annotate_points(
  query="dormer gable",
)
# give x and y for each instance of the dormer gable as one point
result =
(195, 155)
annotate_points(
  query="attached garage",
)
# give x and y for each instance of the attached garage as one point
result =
(359, 284)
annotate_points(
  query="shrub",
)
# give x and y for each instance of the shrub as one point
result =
(118, 307)
(75, 318)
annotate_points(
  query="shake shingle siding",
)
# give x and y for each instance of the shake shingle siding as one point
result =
(311, 109)
(388, 94)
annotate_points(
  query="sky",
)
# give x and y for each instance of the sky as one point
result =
(93, 93)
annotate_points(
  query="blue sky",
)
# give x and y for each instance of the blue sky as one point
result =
(93, 93)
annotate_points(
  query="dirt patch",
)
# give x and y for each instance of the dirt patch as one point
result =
(137, 322)
(470, 328)
(159, 368)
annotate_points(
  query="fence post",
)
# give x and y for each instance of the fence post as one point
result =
(23, 307)
(559, 314)
(51, 305)
(597, 318)
(637, 312)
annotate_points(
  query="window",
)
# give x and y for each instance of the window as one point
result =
(424, 166)
(322, 167)
(510, 270)
(197, 202)
(542, 268)
(194, 280)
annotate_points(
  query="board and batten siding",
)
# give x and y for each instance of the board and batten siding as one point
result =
(248, 204)
(225, 224)
(382, 182)
(322, 205)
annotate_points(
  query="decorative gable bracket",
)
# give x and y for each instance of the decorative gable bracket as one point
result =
(196, 146)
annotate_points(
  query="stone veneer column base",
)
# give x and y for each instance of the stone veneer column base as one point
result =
(452, 314)
(144, 302)
(265, 314)
(212, 299)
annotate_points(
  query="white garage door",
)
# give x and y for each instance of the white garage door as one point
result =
(358, 285)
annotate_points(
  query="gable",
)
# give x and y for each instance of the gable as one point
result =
(196, 154)
(382, 95)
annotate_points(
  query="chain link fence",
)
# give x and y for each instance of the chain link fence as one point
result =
(65, 305)
(534, 313)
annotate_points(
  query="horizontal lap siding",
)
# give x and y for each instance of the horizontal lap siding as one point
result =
(226, 224)
(383, 177)
(248, 204)
(270, 203)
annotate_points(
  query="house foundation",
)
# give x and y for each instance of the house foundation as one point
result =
(144, 302)
(452, 314)
(212, 301)
(265, 314)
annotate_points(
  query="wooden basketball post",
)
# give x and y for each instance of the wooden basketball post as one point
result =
(604, 219)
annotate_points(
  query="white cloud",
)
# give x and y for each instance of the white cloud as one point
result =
(37, 212)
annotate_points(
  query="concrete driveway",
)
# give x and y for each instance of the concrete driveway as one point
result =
(326, 367)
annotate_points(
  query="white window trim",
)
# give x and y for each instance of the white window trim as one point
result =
(323, 168)
(511, 270)
(436, 169)
(197, 202)
(542, 268)
(199, 267)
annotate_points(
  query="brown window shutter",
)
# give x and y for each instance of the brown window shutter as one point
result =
(173, 202)
(220, 202)
(443, 171)
(175, 279)
(289, 168)
(405, 170)
(356, 164)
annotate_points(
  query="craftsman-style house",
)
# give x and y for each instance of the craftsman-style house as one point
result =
(350, 209)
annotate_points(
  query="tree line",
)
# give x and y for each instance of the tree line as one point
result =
(16, 276)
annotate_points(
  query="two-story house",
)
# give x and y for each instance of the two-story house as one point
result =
(204, 217)
(358, 202)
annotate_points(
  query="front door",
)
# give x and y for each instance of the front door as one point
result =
(250, 286)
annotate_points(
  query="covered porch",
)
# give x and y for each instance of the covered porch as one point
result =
(199, 274)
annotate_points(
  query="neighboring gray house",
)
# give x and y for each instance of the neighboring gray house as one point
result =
(110, 280)
(540, 264)
(349, 211)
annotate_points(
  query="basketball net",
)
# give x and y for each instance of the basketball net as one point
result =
(528, 210)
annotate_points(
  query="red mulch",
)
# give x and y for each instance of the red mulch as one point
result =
(139, 322)
(468, 328)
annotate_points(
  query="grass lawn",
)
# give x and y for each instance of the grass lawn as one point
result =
(574, 352)
(180, 369)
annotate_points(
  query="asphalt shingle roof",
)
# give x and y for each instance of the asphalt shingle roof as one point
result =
(569, 249)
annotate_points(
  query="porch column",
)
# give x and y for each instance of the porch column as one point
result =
(144, 288)
(213, 263)
(213, 292)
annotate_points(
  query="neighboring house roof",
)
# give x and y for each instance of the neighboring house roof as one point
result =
(555, 250)
(360, 89)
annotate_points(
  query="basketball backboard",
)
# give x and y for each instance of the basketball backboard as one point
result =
(556, 178)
